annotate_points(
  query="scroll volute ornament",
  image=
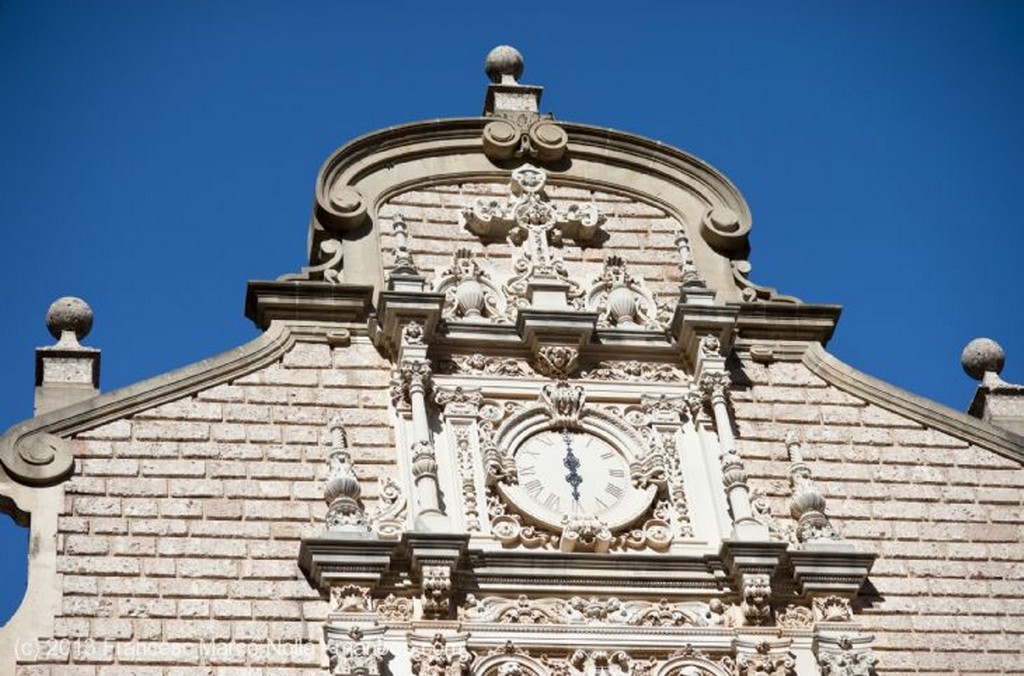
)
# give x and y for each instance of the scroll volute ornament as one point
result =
(539, 139)
(724, 230)
(345, 208)
(39, 459)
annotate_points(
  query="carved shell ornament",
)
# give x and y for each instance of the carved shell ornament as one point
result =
(470, 294)
(622, 300)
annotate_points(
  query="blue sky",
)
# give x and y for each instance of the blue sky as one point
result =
(156, 155)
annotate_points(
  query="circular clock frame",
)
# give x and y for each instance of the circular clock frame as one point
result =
(542, 495)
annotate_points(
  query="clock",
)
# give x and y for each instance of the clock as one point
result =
(574, 473)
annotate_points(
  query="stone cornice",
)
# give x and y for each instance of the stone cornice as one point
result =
(266, 302)
(912, 406)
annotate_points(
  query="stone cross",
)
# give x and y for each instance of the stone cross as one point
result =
(527, 220)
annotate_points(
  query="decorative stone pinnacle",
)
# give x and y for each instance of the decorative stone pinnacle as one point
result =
(504, 65)
(69, 319)
(981, 357)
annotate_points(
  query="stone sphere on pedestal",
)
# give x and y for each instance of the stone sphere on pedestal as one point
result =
(981, 356)
(503, 60)
(69, 314)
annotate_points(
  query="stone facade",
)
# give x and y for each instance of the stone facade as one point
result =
(378, 484)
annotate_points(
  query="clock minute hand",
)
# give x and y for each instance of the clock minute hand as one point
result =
(571, 463)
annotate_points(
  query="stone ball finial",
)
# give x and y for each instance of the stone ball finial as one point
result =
(69, 314)
(504, 61)
(981, 356)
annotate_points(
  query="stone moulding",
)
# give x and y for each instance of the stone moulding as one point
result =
(117, 404)
(419, 155)
(912, 406)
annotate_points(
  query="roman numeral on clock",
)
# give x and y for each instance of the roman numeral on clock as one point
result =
(533, 487)
(614, 491)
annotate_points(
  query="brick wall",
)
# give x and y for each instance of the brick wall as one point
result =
(180, 531)
(642, 234)
(946, 519)
(181, 528)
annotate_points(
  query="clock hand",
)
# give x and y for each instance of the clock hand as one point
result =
(571, 463)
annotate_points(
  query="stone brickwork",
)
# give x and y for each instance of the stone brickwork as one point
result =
(177, 543)
(946, 519)
(643, 235)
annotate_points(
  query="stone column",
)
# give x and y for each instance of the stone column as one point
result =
(429, 515)
(714, 381)
(413, 383)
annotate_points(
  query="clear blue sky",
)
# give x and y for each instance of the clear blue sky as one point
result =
(156, 155)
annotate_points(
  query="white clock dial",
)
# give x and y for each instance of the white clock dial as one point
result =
(602, 473)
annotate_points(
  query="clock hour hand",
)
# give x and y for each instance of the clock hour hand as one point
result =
(571, 463)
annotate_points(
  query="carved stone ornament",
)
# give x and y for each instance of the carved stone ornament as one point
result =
(413, 333)
(600, 663)
(395, 608)
(510, 660)
(486, 365)
(38, 459)
(527, 219)
(564, 403)
(556, 361)
(466, 464)
(635, 371)
(388, 517)
(470, 295)
(622, 301)
(458, 401)
(846, 656)
(342, 491)
(832, 609)
(358, 653)
(327, 267)
(350, 598)
(722, 228)
(411, 375)
(807, 504)
(795, 617)
(437, 589)
(403, 263)
(766, 662)
(755, 293)
(756, 597)
(347, 207)
(762, 512)
(691, 279)
(442, 658)
(589, 611)
(524, 135)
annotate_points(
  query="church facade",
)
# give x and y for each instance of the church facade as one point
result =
(522, 414)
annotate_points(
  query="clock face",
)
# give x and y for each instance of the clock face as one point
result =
(572, 473)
